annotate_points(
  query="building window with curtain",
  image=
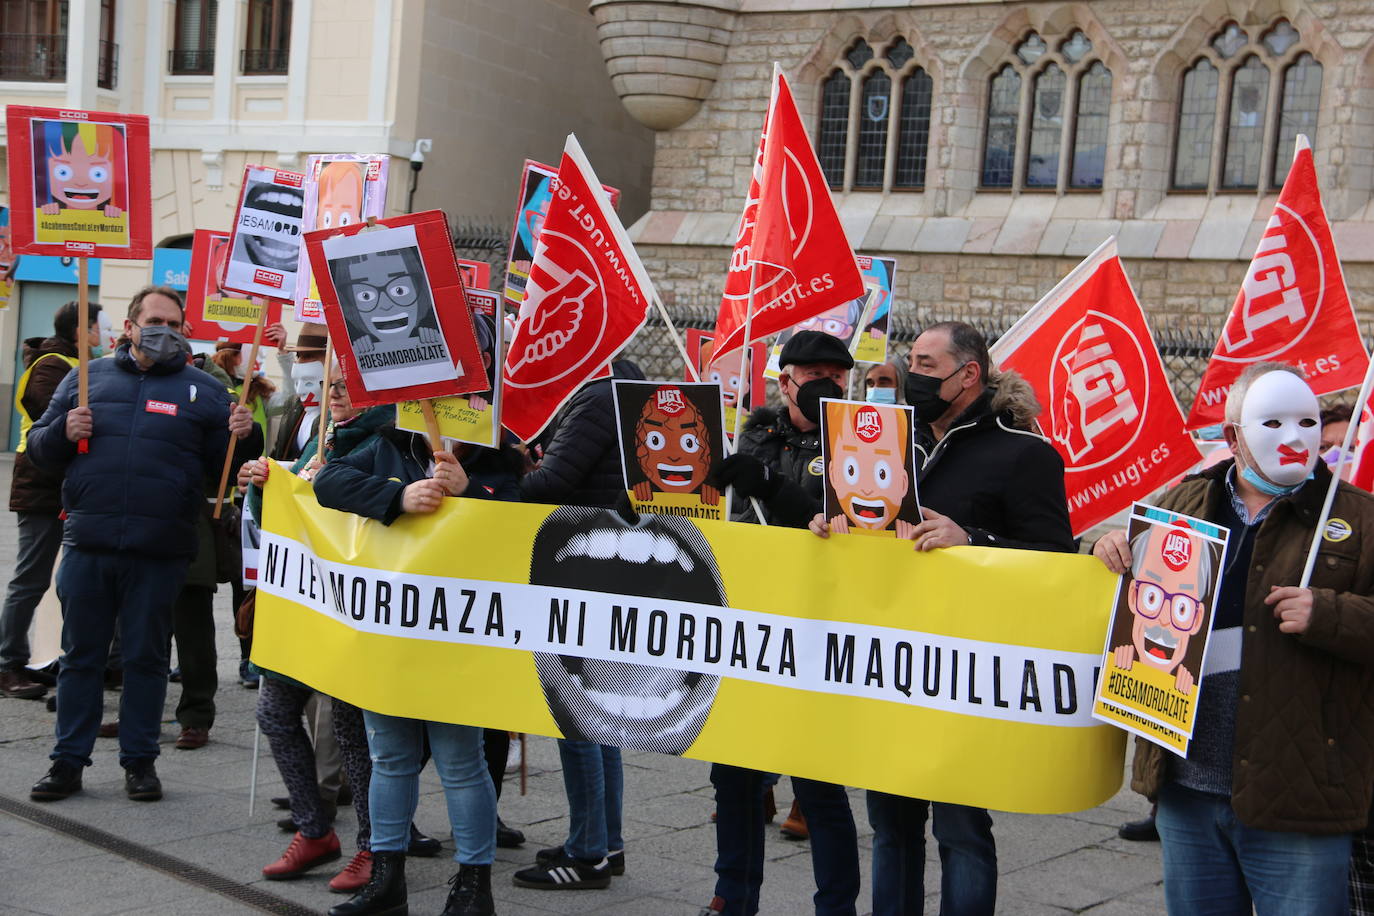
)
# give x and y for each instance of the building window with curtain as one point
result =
(1047, 117)
(1242, 103)
(267, 45)
(193, 48)
(874, 129)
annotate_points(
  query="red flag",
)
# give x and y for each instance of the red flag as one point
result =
(1087, 352)
(791, 254)
(586, 296)
(1293, 305)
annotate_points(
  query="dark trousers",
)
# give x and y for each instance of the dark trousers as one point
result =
(98, 590)
(40, 537)
(968, 856)
(193, 627)
(740, 850)
(496, 747)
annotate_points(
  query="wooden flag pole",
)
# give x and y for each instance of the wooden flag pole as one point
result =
(83, 320)
(324, 399)
(436, 441)
(243, 399)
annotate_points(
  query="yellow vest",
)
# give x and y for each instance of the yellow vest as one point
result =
(26, 421)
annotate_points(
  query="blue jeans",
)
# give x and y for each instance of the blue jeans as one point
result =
(595, 784)
(40, 536)
(96, 590)
(1214, 864)
(968, 856)
(740, 850)
(397, 747)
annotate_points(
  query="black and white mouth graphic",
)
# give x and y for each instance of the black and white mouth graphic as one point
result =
(630, 706)
(391, 324)
(271, 198)
(271, 253)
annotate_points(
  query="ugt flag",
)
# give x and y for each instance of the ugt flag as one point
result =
(791, 259)
(1293, 305)
(586, 296)
(1109, 410)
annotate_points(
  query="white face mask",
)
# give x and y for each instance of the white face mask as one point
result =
(1280, 429)
(307, 379)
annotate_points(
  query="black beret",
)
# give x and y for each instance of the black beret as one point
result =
(806, 347)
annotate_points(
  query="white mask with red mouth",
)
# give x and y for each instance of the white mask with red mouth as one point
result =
(1279, 432)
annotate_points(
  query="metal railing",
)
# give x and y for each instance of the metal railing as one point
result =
(33, 57)
(191, 61)
(264, 60)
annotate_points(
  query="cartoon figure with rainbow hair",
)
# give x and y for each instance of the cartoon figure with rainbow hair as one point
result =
(85, 168)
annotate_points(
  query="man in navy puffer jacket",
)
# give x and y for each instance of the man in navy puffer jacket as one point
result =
(157, 429)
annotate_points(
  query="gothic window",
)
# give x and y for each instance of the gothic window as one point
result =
(1243, 102)
(874, 127)
(1048, 110)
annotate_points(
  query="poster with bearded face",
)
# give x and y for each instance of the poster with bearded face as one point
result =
(265, 242)
(1161, 625)
(672, 438)
(340, 189)
(868, 456)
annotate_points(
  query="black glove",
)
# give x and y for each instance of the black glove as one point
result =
(750, 477)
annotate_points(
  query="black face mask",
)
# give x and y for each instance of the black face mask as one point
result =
(809, 394)
(923, 394)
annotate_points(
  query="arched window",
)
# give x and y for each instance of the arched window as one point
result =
(1067, 92)
(1270, 90)
(875, 119)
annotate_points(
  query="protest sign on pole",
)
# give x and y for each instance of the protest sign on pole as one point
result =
(868, 457)
(397, 313)
(1156, 646)
(212, 313)
(672, 438)
(738, 391)
(6, 259)
(791, 259)
(1293, 304)
(473, 417)
(871, 344)
(1106, 403)
(265, 241)
(586, 297)
(340, 189)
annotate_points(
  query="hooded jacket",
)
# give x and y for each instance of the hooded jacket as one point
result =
(770, 436)
(1303, 758)
(991, 474)
(158, 435)
(33, 489)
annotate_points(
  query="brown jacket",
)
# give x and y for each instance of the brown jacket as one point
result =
(1304, 749)
(33, 489)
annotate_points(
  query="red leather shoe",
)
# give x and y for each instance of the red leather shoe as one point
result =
(355, 874)
(302, 855)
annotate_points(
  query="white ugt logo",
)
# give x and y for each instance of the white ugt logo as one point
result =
(1098, 385)
(1270, 288)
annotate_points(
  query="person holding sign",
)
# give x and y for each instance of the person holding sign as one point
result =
(1280, 770)
(157, 428)
(986, 480)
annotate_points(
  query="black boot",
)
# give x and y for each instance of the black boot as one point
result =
(384, 894)
(471, 892)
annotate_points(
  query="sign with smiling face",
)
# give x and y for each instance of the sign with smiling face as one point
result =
(265, 242)
(79, 183)
(671, 440)
(870, 469)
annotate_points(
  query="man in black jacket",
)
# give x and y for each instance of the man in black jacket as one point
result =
(35, 495)
(157, 428)
(986, 480)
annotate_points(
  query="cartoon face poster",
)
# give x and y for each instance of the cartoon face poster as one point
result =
(536, 190)
(871, 344)
(842, 321)
(340, 189)
(79, 183)
(869, 463)
(700, 347)
(212, 313)
(264, 246)
(472, 417)
(475, 274)
(1157, 639)
(671, 438)
(396, 309)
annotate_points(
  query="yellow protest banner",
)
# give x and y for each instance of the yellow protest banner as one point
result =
(963, 675)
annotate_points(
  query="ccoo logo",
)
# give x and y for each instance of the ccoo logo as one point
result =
(1281, 293)
(1099, 389)
(563, 316)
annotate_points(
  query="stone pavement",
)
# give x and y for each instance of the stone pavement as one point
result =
(199, 851)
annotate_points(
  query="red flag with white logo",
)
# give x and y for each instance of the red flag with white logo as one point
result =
(586, 296)
(791, 259)
(1362, 472)
(1293, 304)
(1108, 407)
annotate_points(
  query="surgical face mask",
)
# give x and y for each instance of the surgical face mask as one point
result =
(1279, 431)
(162, 344)
(923, 394)
(306, 380)
(1332, 456)
(96, 352)
(809, 394)
(878, 395)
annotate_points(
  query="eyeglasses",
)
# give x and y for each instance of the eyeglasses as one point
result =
(367, 297)
(338, 387)
(1150, 600)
